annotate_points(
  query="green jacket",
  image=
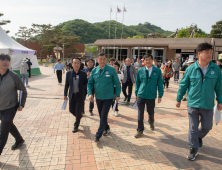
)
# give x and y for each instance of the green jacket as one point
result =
(148, 89)
(104, 84)
(201, 94)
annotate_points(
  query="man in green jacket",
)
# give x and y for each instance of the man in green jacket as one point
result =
(103, 79)
(202, 79)
(148, 80)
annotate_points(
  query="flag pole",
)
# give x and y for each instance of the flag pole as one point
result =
(122, 33)
(109, 30)
(115, 29)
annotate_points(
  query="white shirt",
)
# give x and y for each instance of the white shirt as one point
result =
(150, 70)
(204, 69)
(120, 76)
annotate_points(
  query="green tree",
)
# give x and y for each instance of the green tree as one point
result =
(89, 32)
(216, 31)
(41, 38)
(4, 22)
(92, 49)
(71, 41)
(186, 32)
(136, 37)
(24, 34)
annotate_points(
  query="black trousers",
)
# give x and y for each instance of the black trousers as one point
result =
(103, 108)
(59, 75)
(91, 104)
(7, 126)
(150, 104)
(166, 82)
(128, 84)
(75, 107)
(29, 72)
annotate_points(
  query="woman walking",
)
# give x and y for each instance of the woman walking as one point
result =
(116, 65)
(23, 71)
(167, 74)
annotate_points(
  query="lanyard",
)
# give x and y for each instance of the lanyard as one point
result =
(201, 72)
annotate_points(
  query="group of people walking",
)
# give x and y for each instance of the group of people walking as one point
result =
(202, 79)
(104, 82)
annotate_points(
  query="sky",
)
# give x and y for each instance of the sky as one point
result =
(167, 14)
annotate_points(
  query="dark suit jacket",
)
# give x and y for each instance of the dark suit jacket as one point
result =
(82, 84)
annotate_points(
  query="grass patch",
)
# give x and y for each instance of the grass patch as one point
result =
(44, 61)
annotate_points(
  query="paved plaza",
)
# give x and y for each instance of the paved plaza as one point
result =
(50, 143)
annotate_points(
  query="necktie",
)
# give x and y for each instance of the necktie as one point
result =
(101, 70)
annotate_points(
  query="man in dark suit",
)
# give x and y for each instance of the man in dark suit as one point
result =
(29, 64)
(76, 83)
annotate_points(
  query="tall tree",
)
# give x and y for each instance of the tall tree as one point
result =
(71, 41)
(216, 31)
(186, 32)
(92, 49)
(24, 34)
(4, 22)
(40, 31)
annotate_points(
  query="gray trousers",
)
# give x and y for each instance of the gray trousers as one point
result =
(196, 115)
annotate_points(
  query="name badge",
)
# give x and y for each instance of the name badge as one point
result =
(107, 75)
(77, 76)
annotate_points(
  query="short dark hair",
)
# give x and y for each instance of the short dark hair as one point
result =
(155, 60)
(147, 56)
(116, 63)
(204, 46)
(5, 57)
(101, 54)
(112, 59)
(59, 59)
(90, 59)
(77, 59)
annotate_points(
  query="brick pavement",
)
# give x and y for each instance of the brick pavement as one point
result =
(50, 144)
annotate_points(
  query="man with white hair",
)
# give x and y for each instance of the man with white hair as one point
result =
(129, 72)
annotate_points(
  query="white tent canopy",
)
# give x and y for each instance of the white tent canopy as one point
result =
(17, 52)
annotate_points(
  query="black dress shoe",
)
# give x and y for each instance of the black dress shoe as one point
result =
(17, 144)
(200, 142)
(74, 130)
(91, 113)
(96, 140)
(151, 126)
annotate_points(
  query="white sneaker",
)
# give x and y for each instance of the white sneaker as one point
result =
(166, 89)
(116, 113)
(113, 113)
(27, 86)
(58, 83)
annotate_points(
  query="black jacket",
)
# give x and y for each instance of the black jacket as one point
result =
(82, 66)
(82, 84)
(29, 63)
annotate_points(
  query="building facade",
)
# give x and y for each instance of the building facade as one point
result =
(161, 48)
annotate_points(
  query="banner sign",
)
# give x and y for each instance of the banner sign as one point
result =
(22, 52)
(219, 56)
